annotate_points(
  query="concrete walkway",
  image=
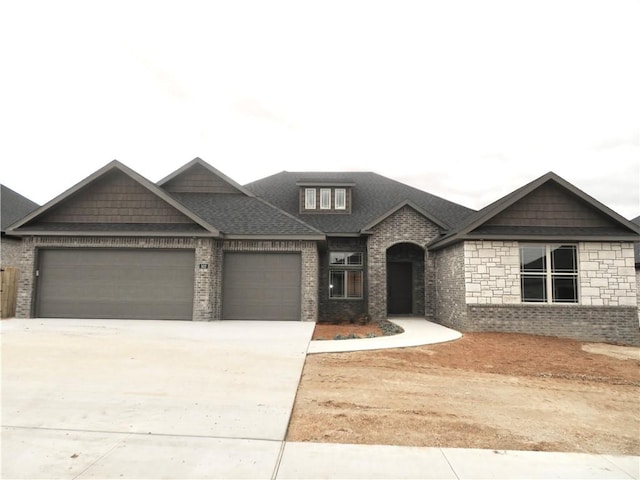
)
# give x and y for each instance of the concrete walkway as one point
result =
(417, 331)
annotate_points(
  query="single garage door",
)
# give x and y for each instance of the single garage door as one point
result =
(261, 286)
(115, 283)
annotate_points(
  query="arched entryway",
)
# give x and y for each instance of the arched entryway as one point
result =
(405, 279)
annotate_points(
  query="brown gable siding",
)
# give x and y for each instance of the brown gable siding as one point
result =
(198, 179)
(550, 206)
(114, 198)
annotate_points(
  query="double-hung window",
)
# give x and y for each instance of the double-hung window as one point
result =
(549, 273)
(325, 199)
(345, 275)
(340, 200)
(309, 198)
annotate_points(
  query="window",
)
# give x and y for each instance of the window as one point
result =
(340, 200)
(310, 198)
(549, 273)
(325, 198)
(345, 275)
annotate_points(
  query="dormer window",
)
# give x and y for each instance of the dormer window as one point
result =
(309, 198)
(325, 197)
(340, 202)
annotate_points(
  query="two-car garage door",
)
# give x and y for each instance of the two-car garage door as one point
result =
(115, 283)
(159, 284)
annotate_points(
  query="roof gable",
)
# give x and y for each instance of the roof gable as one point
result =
(198, 176)
(13, 206)
(401, 205)
(117, 197)
(549, 207)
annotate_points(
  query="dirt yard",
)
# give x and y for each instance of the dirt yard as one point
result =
(494, 391)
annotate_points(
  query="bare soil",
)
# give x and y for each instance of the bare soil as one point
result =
(486, 390)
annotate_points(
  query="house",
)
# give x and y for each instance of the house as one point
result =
(13, 207)
(546, 259)
(637, 259)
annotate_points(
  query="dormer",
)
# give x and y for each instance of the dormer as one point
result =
(325, 197)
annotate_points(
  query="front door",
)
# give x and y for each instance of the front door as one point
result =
(399, 288)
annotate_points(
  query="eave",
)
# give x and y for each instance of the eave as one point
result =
(442, 243)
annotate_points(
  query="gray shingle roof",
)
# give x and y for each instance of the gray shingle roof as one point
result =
(373, 196)
(13, 206)
(242, 215)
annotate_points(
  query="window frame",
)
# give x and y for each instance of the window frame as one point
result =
(325, 199)
(342, 204)
(350, 267)
(309, 198)
(549, 274)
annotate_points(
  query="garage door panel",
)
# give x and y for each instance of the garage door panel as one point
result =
(95, 283)
(261, 286)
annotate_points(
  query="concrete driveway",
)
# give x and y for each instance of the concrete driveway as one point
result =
(147, 399)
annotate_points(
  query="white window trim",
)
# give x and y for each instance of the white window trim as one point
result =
(549, 274)
(340, 201)
(325, 199)
(310, 198)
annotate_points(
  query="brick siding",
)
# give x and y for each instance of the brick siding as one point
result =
(450, 288)
(405, 225)
(11, 251)
(202, 278)
(617, 325)
(309, 279)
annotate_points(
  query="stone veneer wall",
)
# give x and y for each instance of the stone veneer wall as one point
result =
(405, 225)
(607, 289)
(202, 248)
(492, 272)
(607, 274)
(309, 253)
(450, 289)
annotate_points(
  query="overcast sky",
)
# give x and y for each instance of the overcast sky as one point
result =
(468, 100)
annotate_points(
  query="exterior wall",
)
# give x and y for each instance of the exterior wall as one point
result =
(405, 225)
(115, 198)
(638, 291)
(10, 252)
(617, 325)
(310, 263)
(450, 288)
(607, 274)
(492, 272)
(203, 252)
(198, 179)
(338, 309)
(607, 311)
(551, 205)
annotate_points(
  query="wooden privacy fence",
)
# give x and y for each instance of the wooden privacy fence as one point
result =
(9, 291)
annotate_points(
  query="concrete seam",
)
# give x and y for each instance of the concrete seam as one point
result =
(449, 463)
